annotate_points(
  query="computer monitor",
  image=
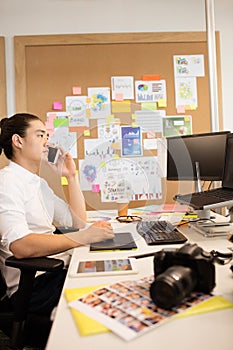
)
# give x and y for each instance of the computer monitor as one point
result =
(207, 149)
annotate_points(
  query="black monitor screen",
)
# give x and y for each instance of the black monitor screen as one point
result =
(207, 149)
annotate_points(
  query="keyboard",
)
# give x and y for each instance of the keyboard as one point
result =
(160, 232)
(200, 199)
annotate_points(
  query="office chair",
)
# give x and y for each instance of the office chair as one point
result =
(22, 327)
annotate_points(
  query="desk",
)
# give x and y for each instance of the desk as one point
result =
(207, 331)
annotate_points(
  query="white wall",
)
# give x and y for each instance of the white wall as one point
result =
(30, 17)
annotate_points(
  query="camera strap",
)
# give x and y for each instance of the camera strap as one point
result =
(221, 258)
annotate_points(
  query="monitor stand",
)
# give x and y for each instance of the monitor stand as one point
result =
(202, 214)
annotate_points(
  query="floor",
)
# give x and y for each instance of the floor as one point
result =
(5, 343)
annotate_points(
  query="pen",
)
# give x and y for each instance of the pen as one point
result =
(142, 255)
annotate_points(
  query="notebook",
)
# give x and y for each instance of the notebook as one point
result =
(121, 241)
(217, 197)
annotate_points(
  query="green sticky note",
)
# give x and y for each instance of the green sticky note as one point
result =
(61, 122)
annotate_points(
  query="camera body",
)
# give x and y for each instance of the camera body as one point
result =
(179, 272)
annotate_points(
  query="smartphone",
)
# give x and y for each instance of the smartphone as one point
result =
(53, 155)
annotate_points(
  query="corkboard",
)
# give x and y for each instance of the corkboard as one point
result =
(47, 66)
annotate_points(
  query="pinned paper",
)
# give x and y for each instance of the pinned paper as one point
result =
(121, 106)
(61, 122)
(87, 132)
(49, 128)
(151, 106)
(150, 144)
(180, 109)
(151, 77)
(162, 103)
(77, 90)
(119, 97)
(150, 134)
(57, 106)
(134, 125)
(116, 145)
(110, 119)
(88, 112)
(95, 188)
(102, 164)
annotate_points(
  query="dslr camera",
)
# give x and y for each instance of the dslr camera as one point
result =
(179, 272)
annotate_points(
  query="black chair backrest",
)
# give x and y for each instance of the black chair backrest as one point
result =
(2, 286)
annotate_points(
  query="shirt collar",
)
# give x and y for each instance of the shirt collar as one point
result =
(24, 173)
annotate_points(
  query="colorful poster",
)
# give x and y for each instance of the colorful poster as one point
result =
(150, 91)
(177, 125)
(139, 177)
(186, 92)
(189, 66)
(76, 105)
(100, 104)
(109, 130)
(131, 141)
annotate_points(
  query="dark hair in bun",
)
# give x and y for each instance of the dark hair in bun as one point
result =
(17, 124)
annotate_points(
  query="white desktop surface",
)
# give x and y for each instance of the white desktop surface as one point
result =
(213, 330)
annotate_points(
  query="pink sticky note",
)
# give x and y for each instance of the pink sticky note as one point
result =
(57, 106)
(77, 90)
(180, 109)
(119, 97)
(95, 188)
(150, 135)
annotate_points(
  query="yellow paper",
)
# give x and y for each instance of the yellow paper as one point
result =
(162, 103)
(212, 304)
(86, 132)
(121, 106)
(149, 106)
(85, 324)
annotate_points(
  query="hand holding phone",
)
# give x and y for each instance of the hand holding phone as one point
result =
(53, 154)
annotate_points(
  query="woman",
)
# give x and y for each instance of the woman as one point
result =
(28, 208)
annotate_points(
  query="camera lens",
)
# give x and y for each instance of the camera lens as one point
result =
(172, 286)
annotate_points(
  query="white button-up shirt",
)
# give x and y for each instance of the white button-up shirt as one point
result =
(27, 205)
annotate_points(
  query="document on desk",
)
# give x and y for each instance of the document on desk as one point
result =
(127, 309)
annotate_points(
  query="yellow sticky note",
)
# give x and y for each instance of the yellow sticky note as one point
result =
(134, 116)
(134, 125)
(110, 118)
(193, 107)
(162, 103)
(187, 118)
(86, 132)
(121, 106)
(103, 164)
(88, 112)
(149, 106)
(116, 145)
(116, 156)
